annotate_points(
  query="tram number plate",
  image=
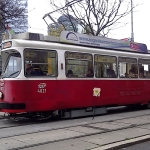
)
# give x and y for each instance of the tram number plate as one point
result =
(41, 91)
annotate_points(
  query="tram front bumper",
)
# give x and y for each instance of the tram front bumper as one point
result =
(12, 106)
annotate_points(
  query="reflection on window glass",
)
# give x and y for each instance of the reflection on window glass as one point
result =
(13, 67)
(128, 67)
(79, 64)
(40, 63)
(144, 68)
(105, 66)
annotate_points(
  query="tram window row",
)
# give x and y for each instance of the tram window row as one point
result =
(85, 65)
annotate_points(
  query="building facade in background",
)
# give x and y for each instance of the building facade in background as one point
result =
(16, 25)
(21, 24)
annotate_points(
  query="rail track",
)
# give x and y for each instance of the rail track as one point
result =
(21, 128)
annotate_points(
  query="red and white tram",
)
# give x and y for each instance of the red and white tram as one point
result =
(72, 74)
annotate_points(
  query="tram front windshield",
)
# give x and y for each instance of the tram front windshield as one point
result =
(11, 64)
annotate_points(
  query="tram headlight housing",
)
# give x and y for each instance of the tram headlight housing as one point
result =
(1, 95)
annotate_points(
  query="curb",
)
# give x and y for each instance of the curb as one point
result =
(125, 143)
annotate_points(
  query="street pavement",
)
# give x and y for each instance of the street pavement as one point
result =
(108, 135)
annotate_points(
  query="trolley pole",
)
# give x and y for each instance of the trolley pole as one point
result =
(132, 33)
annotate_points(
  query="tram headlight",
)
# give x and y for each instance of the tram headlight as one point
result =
(1, 95)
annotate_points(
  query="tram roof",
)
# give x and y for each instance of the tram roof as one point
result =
(82, 40)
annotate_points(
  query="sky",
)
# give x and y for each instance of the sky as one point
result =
(141, 22)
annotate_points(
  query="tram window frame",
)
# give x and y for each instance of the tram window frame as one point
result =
(46, 74)
(111, 72)
(73, 69)
(13, 63)
(130, 65)
(144, 72)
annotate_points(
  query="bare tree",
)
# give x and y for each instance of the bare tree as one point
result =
(13, 13)
(97, 17)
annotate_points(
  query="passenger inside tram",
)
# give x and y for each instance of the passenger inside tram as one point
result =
(111, 73)
(29, 70)
(70, 73)
(141, 72)
(37, 71)
(131, 73)
(90, 73)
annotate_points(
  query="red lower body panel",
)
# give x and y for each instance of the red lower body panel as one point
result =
(47, 95)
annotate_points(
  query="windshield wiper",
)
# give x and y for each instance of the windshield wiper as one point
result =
(13, 73)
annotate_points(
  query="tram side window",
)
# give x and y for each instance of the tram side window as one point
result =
(128, 67)
(144, 68)
(105, 66)
(40, 63)
(79, 65)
